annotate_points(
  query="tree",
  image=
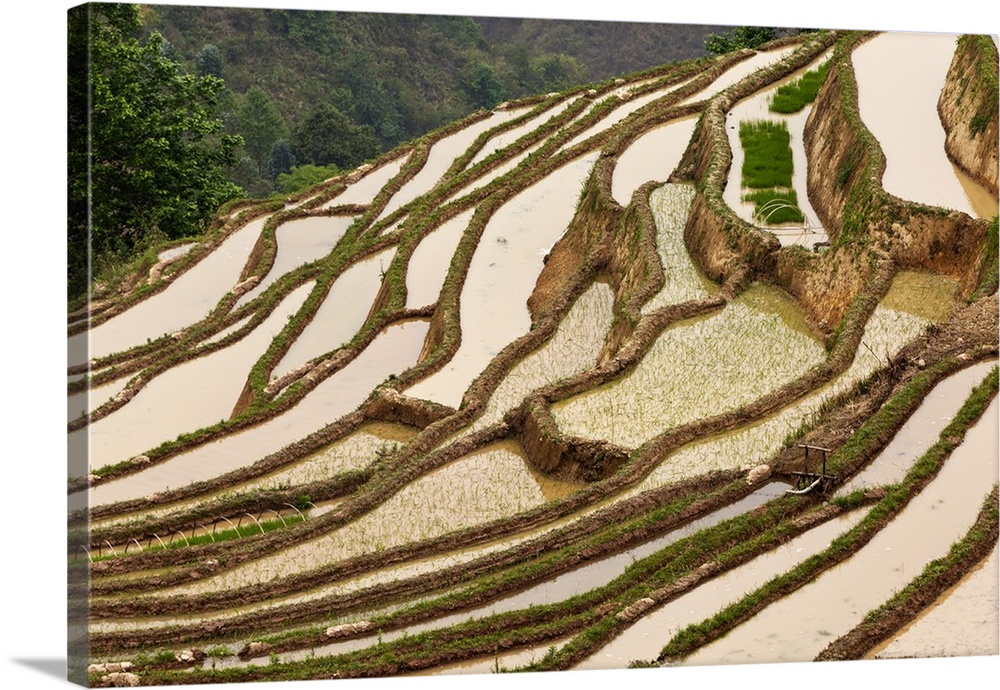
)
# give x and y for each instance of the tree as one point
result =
(280, 159)
(483, 86)
(739, 37)
(260, 124)
(146, 150)
(209, 61)
(328, 136)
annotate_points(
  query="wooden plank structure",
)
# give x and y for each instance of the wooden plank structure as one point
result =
(807, 481)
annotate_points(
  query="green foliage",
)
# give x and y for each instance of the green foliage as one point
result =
(739, 37)
(327, 136)
(791, 98)
(146, 148)
(261, 125)
(280, 159)
(304, 176)
(768, 154)
(484, 86)
(209, 61)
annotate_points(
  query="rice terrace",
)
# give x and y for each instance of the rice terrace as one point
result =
(692, 366)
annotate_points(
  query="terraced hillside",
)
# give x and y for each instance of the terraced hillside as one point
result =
(531, 391)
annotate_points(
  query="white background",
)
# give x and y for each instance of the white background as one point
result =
(32, 268)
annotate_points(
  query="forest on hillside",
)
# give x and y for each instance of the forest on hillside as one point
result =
(383, 79)
(266, 101)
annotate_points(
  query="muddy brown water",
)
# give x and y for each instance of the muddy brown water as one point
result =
(392, 351)
(627, 107)
(962, 622)
(502, 276)
(644, 639)
(599, 573)
(504, 139)
(189, 298)
(653, 156)
(85, 401)
(341, 315)
(428, 265)
(921, 430)
(176, 252)
(900, 76)
(192, 395)
(757, 108)
(739, 71)
(801, 625)
(365, 189)
(576, 581)
(299, 242)
(441, 156)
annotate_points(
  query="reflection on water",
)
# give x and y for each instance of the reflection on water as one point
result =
(393, 350)
(797, 628)
(900, 76)
(502, 276)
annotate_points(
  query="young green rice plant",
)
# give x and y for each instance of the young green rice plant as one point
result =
(767, 154)
(773, 207)
(793, 97)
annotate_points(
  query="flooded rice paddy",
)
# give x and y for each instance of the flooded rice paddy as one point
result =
(900, 77)
(354, 385)
(694, 366)
(797, 629)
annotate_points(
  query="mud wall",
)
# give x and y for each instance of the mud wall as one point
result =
(844, 183)
(968, 109)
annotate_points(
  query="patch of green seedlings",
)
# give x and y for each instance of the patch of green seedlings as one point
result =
(229, 534)
(767, 170)
(767, 154)
(793, 97)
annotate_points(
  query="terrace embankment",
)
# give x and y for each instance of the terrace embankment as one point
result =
(844, 180)
(968, 109)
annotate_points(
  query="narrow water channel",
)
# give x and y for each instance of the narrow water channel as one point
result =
(801, 625)
(392, 351)
(900, 76)
(502, 276)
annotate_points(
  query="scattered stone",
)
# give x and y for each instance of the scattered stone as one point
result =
(255, 649)
(345, 629)
(633, 610)
(591, 92)
(190, 656)
(140, 460)
(121, 680)
(758, 474)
